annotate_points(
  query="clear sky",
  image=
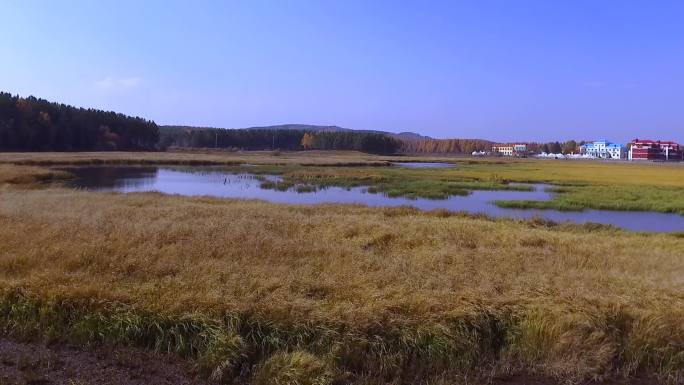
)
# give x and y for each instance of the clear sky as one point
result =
(500, 70)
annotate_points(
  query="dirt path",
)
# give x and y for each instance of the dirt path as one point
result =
(37, 364)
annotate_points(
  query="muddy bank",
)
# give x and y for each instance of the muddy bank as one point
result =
(37, 364)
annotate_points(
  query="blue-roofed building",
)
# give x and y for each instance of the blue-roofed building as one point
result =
(603, 149)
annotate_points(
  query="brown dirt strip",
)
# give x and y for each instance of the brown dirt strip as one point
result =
(37, 364)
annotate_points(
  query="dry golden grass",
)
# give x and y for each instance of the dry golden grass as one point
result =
(27, 175)
(580, 171)
(388, 294)
(190, 157)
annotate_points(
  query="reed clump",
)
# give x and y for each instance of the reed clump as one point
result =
(297, 367)
(28, 176)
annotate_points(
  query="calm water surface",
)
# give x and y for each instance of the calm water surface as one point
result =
(221, 183)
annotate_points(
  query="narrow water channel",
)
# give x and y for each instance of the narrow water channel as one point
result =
(194, 181)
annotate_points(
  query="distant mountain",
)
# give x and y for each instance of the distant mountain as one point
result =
(300, 127)
(406, 136)
(409, 136)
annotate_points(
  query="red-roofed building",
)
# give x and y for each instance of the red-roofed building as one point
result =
(645, 149)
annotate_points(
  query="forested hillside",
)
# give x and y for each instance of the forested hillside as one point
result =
(31, 124)
(319, 128)
(273, 138)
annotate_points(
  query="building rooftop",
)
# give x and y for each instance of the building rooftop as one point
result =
(508, 144)
(649, 141)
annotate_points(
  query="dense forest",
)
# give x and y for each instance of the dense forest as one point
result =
(31, 124)
(271, 139)
(452, 146)
(242, 139)
(360, 141)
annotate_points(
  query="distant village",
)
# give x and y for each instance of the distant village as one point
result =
(637, 149)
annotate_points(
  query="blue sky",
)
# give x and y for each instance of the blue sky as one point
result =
(500, 70)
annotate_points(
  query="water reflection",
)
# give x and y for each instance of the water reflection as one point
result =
(115, 178)
(193, 181)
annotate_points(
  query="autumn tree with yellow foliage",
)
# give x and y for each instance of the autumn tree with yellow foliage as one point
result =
(307, 141)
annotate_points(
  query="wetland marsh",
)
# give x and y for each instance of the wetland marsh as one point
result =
(250, 290)
(238, 183)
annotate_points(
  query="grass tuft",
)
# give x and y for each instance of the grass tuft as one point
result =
(294, 368)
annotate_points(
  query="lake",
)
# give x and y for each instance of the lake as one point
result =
(195, 181)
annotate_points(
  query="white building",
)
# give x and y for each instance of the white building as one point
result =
(514, 149)
(603, 149)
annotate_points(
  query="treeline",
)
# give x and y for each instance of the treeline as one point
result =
(359, 141)
(568, 147)
(243, 139)
(453, 146)
(31, 124)
(272, 139)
